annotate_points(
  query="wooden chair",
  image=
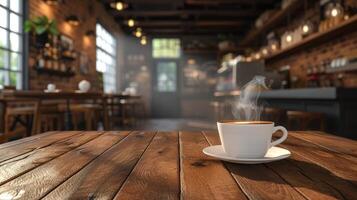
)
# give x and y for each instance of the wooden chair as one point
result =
(22, 112)
(274, 114)
(305, 119)
(49, 117)
(90, 112)
(127, 112)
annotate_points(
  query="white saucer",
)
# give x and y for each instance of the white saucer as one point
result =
(52, 91)
(273, 154)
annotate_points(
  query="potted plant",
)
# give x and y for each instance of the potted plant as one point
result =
(41, 27)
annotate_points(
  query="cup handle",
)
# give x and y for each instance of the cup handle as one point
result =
(283, 138)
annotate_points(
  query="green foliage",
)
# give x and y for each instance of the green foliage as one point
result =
(40, 25)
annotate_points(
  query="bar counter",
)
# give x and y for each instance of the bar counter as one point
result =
(338, 104)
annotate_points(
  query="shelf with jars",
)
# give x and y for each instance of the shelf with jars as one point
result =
(315, 38)
(57, 57)
(331, 20)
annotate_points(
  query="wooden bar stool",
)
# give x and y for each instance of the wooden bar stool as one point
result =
(218, 110)
(274, 114)
(127, 112)
(49, 117)
(19, 112)
(304, 120)
(90, 112)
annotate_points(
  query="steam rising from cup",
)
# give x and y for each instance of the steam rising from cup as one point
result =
(246, 106)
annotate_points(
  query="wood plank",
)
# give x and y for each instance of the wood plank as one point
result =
(331, 161)
(103, 177)
(318, 183)
(31, 145)
(41, 180)
(328, 141)
(258, 181)
(201, 176)
(27, 139)
(19, 165)
(301, 180)
(157, 173)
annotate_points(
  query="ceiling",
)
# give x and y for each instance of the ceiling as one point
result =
(191, 17)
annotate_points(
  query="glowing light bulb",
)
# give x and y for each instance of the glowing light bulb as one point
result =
(143, 41)
(131, 23)
(273, 47)
(289, 38)
(306, 28)
(257, 56)
(138, 34)
(334, 12)
(118, 5)
(265, 51)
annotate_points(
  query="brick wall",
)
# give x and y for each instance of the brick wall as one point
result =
(342, 46)
(89, 12)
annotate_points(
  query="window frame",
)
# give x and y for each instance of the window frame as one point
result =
(114, 57)
(167, 57)
(23, 45)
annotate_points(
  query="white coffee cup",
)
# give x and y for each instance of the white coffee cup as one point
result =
(84, 86)
(248, 139)
(51, 87)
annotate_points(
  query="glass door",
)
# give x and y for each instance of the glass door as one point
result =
(165, 99)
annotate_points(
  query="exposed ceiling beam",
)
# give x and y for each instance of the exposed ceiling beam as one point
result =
(172, 13)
(195, 31)
(178, 23)
(236, 2)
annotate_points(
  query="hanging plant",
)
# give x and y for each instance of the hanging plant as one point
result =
(41, 27)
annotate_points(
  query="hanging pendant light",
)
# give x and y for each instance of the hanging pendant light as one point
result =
(131, 23)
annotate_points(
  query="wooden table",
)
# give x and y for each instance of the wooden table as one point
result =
(62, 95)
(171, 165)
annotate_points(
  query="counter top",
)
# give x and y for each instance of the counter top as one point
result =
(328, 93)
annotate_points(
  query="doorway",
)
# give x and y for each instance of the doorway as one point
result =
(166, 90)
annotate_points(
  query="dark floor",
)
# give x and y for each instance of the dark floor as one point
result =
(171, 125)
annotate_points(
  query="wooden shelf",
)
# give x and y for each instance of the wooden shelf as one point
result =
(54, 72)
(349, 67)
(316, 38)
(274, 21)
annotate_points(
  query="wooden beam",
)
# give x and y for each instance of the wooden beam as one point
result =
(235, 2)
(177, 13)
(179, 23)
(194, 31)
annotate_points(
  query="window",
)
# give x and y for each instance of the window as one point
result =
(11, 40)
(106, 58)
(166, 76)
(166, 48)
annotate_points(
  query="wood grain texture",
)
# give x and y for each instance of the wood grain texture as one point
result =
(145, 165)
(338, 164)
(323, 177)
(19, 165)
(258, 181)
(333, 143)
(41, 180)
(156, 176)
(201, 176)
(103, 177)
(27, 139)
(26, 147)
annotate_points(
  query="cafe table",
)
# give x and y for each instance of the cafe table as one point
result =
(171, 165)
(68, 96)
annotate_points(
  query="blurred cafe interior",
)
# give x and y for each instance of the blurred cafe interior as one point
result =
(176, 65)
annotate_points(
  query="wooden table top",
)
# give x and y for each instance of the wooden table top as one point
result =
(171, 165)
(50, 95)
(61, 94)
